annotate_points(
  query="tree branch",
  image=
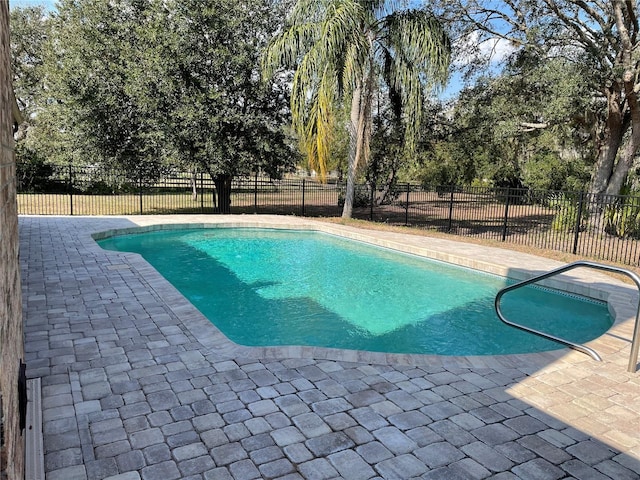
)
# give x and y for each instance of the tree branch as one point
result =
(530, 127)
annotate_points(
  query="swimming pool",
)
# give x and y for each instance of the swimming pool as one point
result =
(264, 287)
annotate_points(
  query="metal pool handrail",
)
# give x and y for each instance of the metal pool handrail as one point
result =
(635, 343)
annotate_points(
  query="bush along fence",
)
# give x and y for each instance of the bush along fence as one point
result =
(604, 227)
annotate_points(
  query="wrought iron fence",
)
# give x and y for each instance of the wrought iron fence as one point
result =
(605, 227)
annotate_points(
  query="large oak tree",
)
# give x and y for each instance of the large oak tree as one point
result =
(601, 36)
(140, 84)
(224, 119)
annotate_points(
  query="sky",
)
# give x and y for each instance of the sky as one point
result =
(48, 4)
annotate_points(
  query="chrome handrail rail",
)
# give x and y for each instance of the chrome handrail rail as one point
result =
(635, 343)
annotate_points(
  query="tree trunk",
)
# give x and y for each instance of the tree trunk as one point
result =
(194, 186)
(347, 209)
(609, 146)
(632, 144)
(223, 189)
(625, 162)
(386, 189)
(359, 136)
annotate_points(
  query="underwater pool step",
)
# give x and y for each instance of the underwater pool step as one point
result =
(635, 341)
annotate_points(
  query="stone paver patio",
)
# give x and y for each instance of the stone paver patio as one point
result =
(137, 385)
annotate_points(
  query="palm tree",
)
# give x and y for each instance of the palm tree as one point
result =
(343, 53)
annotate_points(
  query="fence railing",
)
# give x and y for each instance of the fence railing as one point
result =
(605, 227)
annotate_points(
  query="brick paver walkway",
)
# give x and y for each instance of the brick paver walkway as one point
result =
(135, 385)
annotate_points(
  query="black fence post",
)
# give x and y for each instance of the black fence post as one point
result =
(255, 193)
(506, 214)
(202, 191)
(371, 200)
(450, 224)
(140, 191)
(576, 229)
(214, 197)
(70, 189)
(406, 210)
(303, 193)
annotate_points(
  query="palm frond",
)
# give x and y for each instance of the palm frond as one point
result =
(419, 39)
(285, 49)
(308, 11)
(313, 101)
(416, 53)
(324, 121)
(342, 48)
(356, 58)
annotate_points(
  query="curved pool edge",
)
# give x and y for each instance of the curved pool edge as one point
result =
(612, 345)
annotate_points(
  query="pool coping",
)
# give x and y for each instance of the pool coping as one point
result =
(613, 345)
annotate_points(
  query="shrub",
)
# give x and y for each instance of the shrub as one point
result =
(623, 218)
(33, 173)
(566, 218)
(361, 199)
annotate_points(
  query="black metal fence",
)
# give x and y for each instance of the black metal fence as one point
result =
(596, 226)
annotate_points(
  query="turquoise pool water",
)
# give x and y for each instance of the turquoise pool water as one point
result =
(264, 287)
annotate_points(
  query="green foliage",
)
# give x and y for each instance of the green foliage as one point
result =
(596, 40)
(223, 118)
(361, 198)
(566, 217)
(388, 155)
(527, 127)
(437, 165)
(139, 85)
(100, 187)
(33, 174)
(106, 185)
(545, 170)
(622, 216)
(623, 219)
(29, 32)
(94, 57)
(144, 84)
(30, 29)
